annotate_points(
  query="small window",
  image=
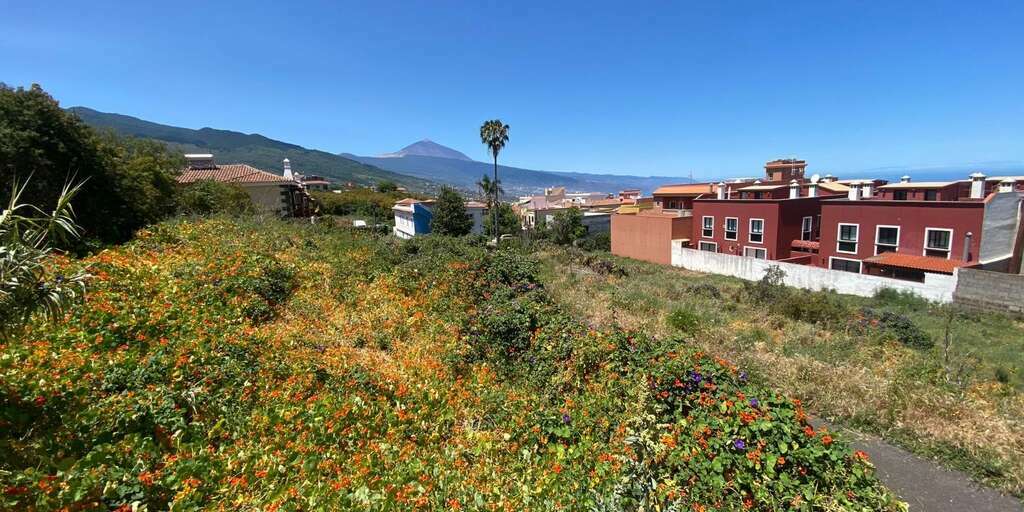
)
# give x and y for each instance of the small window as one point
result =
(708, 230)
(938, 242)
(887, 239)
(848, 238)
(807, 229)
(756, 231)
(900, 195)
(732, 227)
(845, 265)
(930, 195)
(708, 246)
(755, 252)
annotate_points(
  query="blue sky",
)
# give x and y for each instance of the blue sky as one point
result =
(667, 88)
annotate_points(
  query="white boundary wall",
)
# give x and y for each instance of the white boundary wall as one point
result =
(937, 287)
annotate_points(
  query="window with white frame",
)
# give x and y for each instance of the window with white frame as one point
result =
(707, 246)
(807, 229)
(844, 265)
(938, 242)
(756, 252)
(887, 239)
(732, 228)
(708, 224)
(756, 231)
(847, 240)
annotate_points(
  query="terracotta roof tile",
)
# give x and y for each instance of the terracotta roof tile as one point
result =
(805, 244)
(230, 173)
(926, 263)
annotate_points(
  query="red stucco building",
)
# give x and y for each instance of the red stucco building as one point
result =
(764, 219)
(908, 229)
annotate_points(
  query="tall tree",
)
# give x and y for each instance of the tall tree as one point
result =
(508, 221)
(127, 183)
(567, 226)
(450, 217)
(494, 134)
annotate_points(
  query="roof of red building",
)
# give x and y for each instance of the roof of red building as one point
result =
(919, 184)
(230, 173)
(755, 188)
(805, 244)
(926, 263)
(684, 189)
(834, 186)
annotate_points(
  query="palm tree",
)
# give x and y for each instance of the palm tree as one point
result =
(494, 134)
(487, 188)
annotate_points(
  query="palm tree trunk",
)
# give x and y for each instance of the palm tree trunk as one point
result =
(494, 205)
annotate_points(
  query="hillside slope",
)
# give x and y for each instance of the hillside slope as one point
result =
(253, 149)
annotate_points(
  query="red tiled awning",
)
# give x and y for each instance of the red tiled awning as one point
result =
(925, 263)
(810, 245)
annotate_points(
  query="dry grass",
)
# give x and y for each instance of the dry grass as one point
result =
(898, 392)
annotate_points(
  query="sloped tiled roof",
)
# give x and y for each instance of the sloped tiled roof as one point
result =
(834, 186)
(925, 263)
(230, 173)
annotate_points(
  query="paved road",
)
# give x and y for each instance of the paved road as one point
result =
(924, 484)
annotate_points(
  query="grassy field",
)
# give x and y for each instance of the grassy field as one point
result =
(846, 363)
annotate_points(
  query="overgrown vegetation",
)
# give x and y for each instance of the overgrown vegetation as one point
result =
(259, 364)
(366, 203)
(940, 382)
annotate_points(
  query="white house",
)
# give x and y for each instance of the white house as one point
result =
(413, 216)
(270, 192)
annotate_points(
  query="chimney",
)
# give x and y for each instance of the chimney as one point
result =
(288, 170)
(721, 190)
(812, 189)
(794, 189)
(1007, 185)
(854, 193)
(200, 161)
(829, 178)
(977, 185)
(865, 189)
(967, 246)
(905, 179)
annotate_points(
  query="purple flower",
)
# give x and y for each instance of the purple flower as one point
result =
(743, 376)
(739, 444)
(694, 376)
(754, 402)
(566, 419)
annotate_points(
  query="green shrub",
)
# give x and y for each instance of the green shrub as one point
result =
(706, 290)
(816, 307)
(904, 299)
(684, 321)
(598, 242)
(898, 327)
(512, 268)
(1002, 375)
(769, 289)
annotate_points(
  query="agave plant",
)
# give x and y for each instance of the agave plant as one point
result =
(27, 237)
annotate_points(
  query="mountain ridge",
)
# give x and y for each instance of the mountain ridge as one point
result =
(254, 149)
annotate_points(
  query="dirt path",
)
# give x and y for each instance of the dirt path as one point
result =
(923, 483)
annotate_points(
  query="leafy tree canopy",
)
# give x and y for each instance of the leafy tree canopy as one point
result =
(567, 226)
(450, 217)
(508, 221)
(127, 183)
(386, 186)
